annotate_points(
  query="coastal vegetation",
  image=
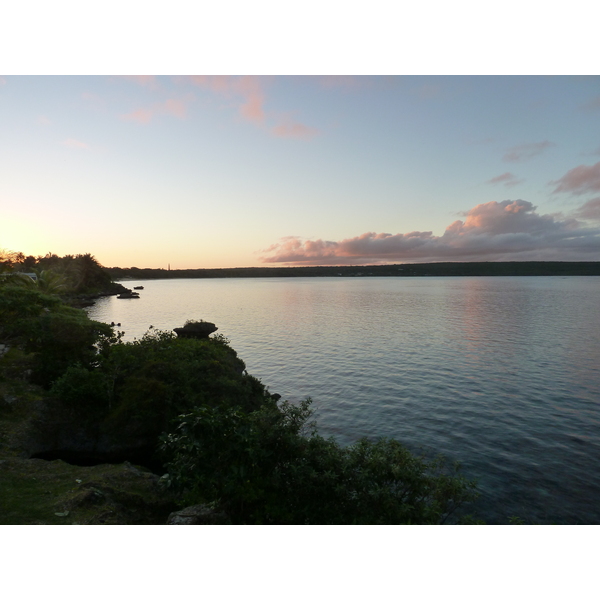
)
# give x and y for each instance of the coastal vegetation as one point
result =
(200, 428)
(83, 274)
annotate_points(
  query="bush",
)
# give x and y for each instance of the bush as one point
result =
(84, 391)
(271, 466)
(143, 386)
(55, 335)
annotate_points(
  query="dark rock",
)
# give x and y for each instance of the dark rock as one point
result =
(196, 329)
(128, 294)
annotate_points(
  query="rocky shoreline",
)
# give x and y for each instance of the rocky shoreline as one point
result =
(85, 300)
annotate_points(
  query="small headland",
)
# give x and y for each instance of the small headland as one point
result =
(171, 428)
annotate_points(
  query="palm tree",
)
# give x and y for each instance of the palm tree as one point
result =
(89, 273)
(47, 281)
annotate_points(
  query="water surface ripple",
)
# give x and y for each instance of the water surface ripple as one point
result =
(500, 373)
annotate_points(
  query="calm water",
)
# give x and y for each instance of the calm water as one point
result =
(502, 374)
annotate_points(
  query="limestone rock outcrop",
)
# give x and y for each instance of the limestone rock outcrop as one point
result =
(196, 329)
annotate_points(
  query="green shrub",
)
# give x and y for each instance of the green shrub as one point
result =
(144, 385)
(57, 336)
(84, 391)
(271, 466)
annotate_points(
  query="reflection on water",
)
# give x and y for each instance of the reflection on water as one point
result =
(499, 373)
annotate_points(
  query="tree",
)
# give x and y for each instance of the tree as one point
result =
(8, 259)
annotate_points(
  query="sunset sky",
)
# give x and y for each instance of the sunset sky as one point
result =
(235, 171)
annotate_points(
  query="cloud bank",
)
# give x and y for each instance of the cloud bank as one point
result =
(495, 231)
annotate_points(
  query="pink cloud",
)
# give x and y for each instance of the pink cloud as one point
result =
(508, 179)
(508, 230)
(294, 130)
(247, 94)
(72, 143)
(580, 180)
(141, 115)
(252, 108)
(247, 88)
(172, 106)
(148, 81)
(175, 107)
(589, 210)
(525, 151)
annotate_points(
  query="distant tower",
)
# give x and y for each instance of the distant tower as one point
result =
(169, 266)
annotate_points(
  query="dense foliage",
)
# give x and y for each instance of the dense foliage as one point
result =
(54, 335)
(149, 382)
(54, 274)
(271, 467)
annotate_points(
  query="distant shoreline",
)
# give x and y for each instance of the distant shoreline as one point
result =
(455, 269)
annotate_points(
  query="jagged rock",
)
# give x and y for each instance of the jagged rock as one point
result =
(196, 329)
(199, 514)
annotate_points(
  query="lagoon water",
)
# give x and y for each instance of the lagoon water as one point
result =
(499, 373)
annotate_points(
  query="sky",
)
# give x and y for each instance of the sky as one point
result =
(437, 164)
(240, 171)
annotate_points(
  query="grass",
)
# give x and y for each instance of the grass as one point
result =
(34, 491)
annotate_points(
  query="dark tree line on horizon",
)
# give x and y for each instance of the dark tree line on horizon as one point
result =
(459, 269)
